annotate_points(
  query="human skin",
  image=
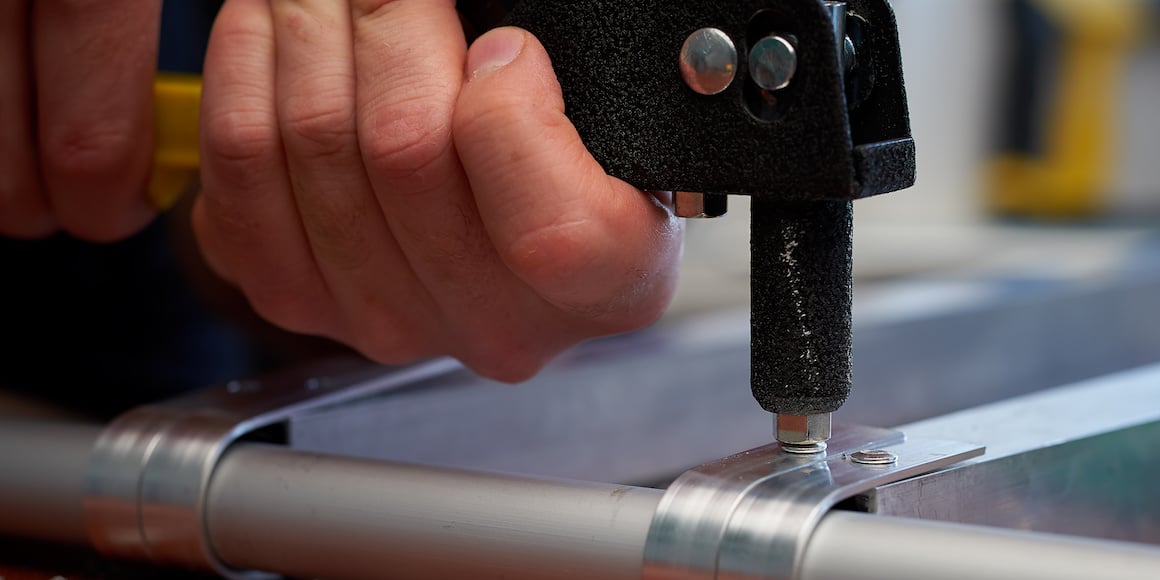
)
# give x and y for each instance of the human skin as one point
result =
(76, 118)
(366, 178)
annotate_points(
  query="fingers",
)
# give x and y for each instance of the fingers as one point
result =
(24, 210)
(246, 220)
(94, 66)
(590, 244)
(409, 60)
(353, 247)
(359, 185)
(408, 54)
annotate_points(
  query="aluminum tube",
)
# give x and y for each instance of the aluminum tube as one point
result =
(853, 546)
(42, 478)
(310, 515)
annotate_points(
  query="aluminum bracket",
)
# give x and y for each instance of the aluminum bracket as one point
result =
(150, 469)
(750, 515)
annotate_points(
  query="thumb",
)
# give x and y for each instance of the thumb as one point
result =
(586, 242)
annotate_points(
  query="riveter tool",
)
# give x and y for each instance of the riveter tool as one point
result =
(799, 104)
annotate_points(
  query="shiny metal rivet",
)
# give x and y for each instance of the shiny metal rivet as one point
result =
(708, 61)
(874, 457)
(772, 63)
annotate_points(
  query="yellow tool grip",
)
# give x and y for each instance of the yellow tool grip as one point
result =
(176, 103)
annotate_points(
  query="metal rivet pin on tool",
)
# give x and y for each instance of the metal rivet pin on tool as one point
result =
(708, 61)
(802, 434)
(772, 63)
(873, 457)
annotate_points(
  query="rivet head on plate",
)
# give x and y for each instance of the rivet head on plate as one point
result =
(874, 457)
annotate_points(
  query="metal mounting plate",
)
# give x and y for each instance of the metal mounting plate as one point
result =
(750, 515)
(150, 469)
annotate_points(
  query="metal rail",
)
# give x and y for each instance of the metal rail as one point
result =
(310, 516)
(43, 469)
(848, 545)
(304, 514)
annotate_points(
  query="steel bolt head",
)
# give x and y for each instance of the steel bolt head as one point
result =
(803, 433)
(772, 63)
(708, 61)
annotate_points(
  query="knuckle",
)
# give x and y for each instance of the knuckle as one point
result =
(317, 127)
(370, 9)
(480, 117)
(90, 150)
(403, 140)
(239, 31)
(553, 258)
(239, 138)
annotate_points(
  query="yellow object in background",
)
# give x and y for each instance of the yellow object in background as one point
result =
(176, 104)
(1070, 178)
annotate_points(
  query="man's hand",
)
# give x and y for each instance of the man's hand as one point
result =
(369, 179)
(76, 117)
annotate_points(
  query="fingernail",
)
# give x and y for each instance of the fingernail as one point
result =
(494, 50)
